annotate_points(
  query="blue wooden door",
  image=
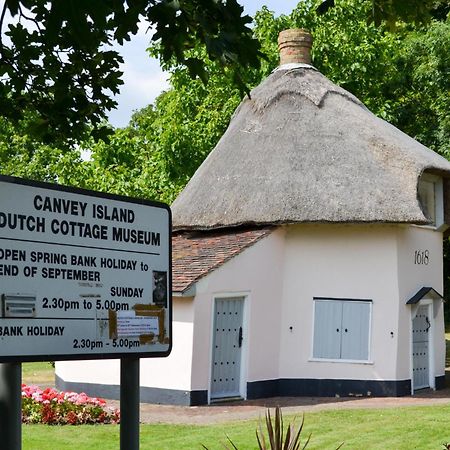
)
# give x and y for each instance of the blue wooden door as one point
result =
(227, 347)
(421, 359)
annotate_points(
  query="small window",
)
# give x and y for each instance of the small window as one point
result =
(341, 329)
(431, 198)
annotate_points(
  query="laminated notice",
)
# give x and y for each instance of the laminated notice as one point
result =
(129, 324)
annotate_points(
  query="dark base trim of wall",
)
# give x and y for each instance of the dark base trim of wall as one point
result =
(147, 394)
(439, 382)
(287, 387)
(284, 387)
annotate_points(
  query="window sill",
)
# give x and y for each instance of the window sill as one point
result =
(441, 227)
(345, 361)
(431, 226)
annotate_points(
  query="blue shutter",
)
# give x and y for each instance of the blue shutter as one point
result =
(355, 330)
(327, 329)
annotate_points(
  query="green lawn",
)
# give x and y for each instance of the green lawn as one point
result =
(401, 428)
(38, 373)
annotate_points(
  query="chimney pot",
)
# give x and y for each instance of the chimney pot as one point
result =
(294, 46)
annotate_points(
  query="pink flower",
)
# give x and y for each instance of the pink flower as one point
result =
(54, 407)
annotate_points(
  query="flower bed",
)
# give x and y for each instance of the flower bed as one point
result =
(53, 407)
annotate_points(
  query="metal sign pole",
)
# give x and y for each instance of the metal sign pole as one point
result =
(129, 404)
(11, 405)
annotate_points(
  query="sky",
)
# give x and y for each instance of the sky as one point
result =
(143, 78)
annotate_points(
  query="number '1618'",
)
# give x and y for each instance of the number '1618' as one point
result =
(422, 257)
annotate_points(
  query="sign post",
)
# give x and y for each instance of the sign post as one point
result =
(129, 404)
(11, 405)
(84, 275)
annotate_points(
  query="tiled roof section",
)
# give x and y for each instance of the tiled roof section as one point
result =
(195, 254)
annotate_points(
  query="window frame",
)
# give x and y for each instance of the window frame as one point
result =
(437, 197)
(342, 301)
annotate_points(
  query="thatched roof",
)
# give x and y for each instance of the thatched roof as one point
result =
(304, 150)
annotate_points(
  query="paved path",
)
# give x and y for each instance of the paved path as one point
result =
(253, 409)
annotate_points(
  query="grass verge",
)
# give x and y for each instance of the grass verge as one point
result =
(398, 428)
(38, 373)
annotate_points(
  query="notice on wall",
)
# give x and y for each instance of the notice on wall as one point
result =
(82, 274)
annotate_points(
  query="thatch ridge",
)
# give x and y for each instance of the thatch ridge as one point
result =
(306, 82)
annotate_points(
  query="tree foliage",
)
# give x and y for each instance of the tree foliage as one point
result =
(22, 156)
(393, 11)
(56, 62)
(157, 153)
(421, 88)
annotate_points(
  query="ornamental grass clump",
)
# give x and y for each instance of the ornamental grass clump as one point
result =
(275, 434)
(276, 440)
(53, 407)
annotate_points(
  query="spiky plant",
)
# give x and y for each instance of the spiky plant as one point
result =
(275, 431)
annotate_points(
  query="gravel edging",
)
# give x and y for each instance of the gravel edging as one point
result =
(253, 409)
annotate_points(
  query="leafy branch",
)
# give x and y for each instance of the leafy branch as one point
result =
(59, 67)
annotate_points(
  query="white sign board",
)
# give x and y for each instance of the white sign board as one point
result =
(82, 274)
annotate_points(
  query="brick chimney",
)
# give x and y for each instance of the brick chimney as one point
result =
(294, 46)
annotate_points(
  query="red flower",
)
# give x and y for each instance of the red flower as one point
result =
(71, 418)
(48, 415)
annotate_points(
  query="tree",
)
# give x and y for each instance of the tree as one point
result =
(55, 60)
(22, 156)
(422, 86)
(393, 11)
(56, 64)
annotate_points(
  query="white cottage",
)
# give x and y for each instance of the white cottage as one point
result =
(307, 255)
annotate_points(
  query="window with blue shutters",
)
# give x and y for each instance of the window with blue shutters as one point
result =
(341, 329)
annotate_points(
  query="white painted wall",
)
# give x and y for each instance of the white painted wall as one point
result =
(279, 277)
(412, 277)
(339, 261)
(174, 371)
(105, 372)
(256, 273)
